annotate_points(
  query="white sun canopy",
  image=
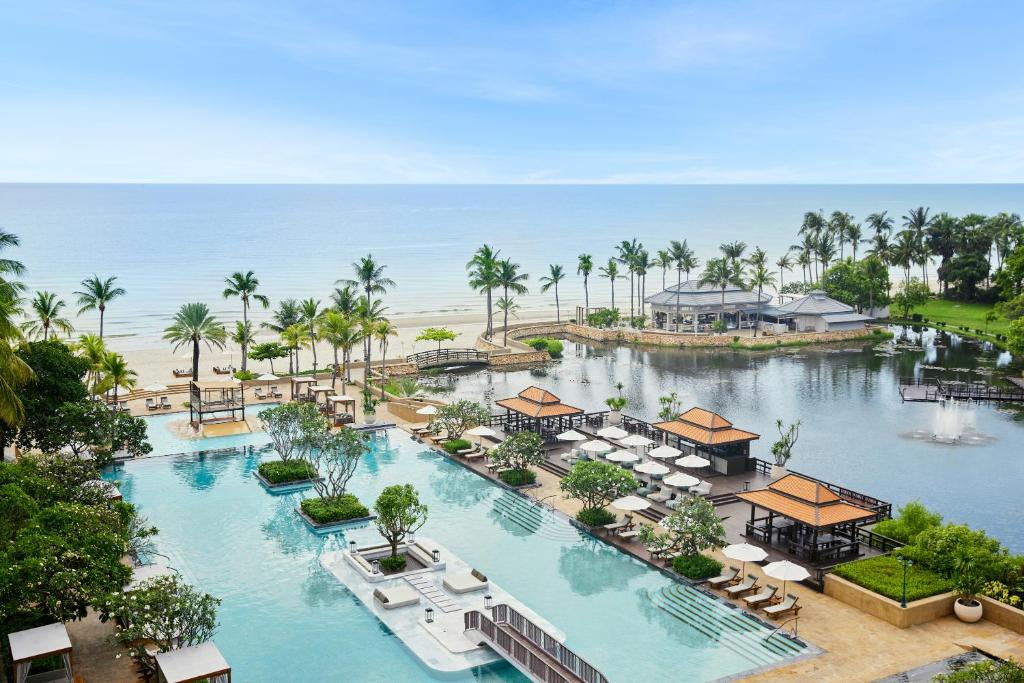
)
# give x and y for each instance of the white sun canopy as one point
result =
(571, 435)
(664, 452)
(635, 440)
(650, 467)
(623, 456)
(35, 643)
(193, 664)
(612, 433)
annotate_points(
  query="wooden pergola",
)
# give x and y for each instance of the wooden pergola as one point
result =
(538, 410)
(215, 398)
(710, 435)
(300, 388)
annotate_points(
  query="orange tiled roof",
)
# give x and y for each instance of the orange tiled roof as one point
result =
(702, 435)
(538, 403)
(803, 512)
(705, 418)
(538, 395)
(804, 489)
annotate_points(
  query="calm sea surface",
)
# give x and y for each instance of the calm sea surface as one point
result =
(170, 244)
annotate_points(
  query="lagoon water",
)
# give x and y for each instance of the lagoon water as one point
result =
(170, 244)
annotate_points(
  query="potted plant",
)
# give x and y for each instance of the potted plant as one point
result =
(615, 405)
(782, 449)
(967, 583)
(369, 408)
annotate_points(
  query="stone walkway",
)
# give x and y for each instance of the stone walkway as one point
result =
(95, 658)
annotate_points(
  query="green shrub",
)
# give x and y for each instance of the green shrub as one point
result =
(985, 672)
(941, 548)
(697, 567)
(281, 471)
(884, 575)
(595, 516)
(456, 445)
(393, 564)
(518, 477)
(245, 375)
(553, 346)
(910, 520)
(604, 318)
(327, 510)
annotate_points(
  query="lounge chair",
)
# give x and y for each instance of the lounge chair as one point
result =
(701, 489)
(725, 578)
(625, 523)
(746, 586)
(466, 582)
(661, 496)
(787, 606)
(151, 404)
(474, 455)
(275, 393)
(398, 596)
(182, 373)
(165, 403)
(764, 597)
(261, 393)
(628, 533)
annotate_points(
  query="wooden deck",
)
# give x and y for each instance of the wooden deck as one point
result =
(933, 390)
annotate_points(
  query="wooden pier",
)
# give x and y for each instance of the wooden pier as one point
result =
(933, 390)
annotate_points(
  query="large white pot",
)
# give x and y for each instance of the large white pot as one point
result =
(615, 417)
(370, 418)
(968, 612)
(779, 471)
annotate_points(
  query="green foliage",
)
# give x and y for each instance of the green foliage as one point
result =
(1007, 671)
(327, 510)
(697, 567)
(782, 449)
(694, 526)
(453, 446)
(437, 334)
(518, 452)
(796, 287)
(910, 520)
(595, 483)
(399, 513)
(669, 407)
(860, 284)
(391, 563)
(884, 575)
(268, 351)
(1015, 337)
(455, 418)
(595, 516)
(58, 379)
(607, 317)
(245, 375)
(554, 347)
(719, 326)
(941, 548)
(616, 402)
(518, 477)
(335, 456)
(638, 322)
(293, 428)
(405, 387)
(282, 471)
(910, 295)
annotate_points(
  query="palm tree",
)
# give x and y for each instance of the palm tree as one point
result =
(341, 332)
(382, 331)
(9, 267)
(193, 324)
(369, 276)
(733, 250)
(483, 269)
(244, 287)
(916, 222)
(92, 349)
(685, 261)
(310, 311)
(243, 336)
(116, 374)
(47, 307)
(811, 228)
(369, 314)
(295, 337)
(642, 262)
(96, 294)
(584, 267)
(760, 277)
(880, 223)
(508, 306)
(722, 272)
(785, 262)
(610, 271)
(554, 276)
(628, 250)
(825, 248)
(839, 224)
(508, 277)
(942, 238)
(345, 299)
(804, 259)
(854, 235)
(663, 259)
(903, 252)
(758, 257)
(14, 372)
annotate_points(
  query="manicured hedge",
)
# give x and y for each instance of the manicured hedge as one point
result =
(595, 517)
(884, 575)
(554, 347)
(393, 564)
(281, 471)
(327, 510)
(518, 477)
(697, 567)
(456, 445)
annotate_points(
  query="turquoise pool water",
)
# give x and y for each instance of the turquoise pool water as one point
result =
(165, 441)
(284, 618)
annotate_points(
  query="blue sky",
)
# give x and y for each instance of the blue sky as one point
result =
(512, 92)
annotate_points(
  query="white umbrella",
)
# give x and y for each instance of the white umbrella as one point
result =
(631, 503)
(623, 456)
(427, 410)
(155, 387)
(744, 552)
(784, 571)
(681, 480)
(481, 431)
(693, 461)
(572, 435)
(664, 452)
(596, 447)
(635, 440)
(612, 433)
(650, 467)
(268, 377)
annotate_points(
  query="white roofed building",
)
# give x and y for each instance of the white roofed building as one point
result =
(692, 307)
(817, 312)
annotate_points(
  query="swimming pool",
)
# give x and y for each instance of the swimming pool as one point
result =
(164, 441)
(282, 612)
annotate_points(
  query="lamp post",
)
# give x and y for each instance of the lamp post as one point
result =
(437, 555)
(352, 548)
(428, 615)
(907, 563)
(488, 601)
(376, 566)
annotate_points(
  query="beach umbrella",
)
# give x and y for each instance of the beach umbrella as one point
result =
(596, 447)
(744, 552)
(481, 432)
(631, 503)
(650, 467)
(784, 571)
(155, 387)
(623, 456)
(571, 435)
(635, 440)
(664, 452)
(612, 433)
(427, 410)
(268, 377)
(693, 461)
(680, 480)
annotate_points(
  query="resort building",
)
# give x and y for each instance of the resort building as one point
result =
(537, 410)
(692, 307)
(816, 312)
(711, 436)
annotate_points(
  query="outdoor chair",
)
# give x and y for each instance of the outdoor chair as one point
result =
(701, 489)
(725, 578)
(787, 606)
(746, 586)
(625, 523)
(765, 597)
(261, 393)
(275, 393)
(165, 403)
(661, 496)
(628, 533)
(151, 404)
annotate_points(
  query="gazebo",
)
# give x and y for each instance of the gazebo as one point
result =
(214, 398)
(202, 662)
(347, 404)
(36, 643)
(699, 306)
(300, 388)
(712, 436)
(538, 410)
(807, 519)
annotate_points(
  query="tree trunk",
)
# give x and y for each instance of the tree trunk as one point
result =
(334, 370)
(312, 345)
(245, 324)
(558, 309)
(490, 315)
(383, 363)
(586, 301)
(195, 361)
(102, 309)
(631, 298)
(679, 285)
(613, 292)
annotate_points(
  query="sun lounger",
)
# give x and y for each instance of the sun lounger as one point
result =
(764, 597)
(661, 496)
(787, 606)
(701, 489)
(629, 533)
(625, 523)
(747, 585)
(725, 578)
(261, 393)
(151, 404)
(165, 403)
(465, 583)
(275, 393)
(398, 596)
(182, 373)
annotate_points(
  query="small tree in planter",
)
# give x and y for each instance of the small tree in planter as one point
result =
(335, 456)
(782, 450)
(694, 527)
(369, 407)
(968, 582)
(669, 407)
(514, 457)
(292, 428)
(595, 484)
(399, 513)
(615, 405)
(457, 417)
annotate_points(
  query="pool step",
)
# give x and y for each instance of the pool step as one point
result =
(532, 518)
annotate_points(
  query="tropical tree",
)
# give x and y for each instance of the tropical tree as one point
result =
(508, 306)
(904, 250)
(47, 307)
(455, 418)
(825, 248)
(269, 351)
(14, 372)
(610, 271)
(92, 348)
(722, 272)
(663, 259)
(193, 324)
(628, 252)
(584, 267)
(96, 294)
(784, 263)
(382, 332)
(345, 299)
(310, 311)
(243, 285)
(642, 263)
(341, 332)
(399, 513)
(368, 314)
(760, 277)
(115, 374)
(839, 224)
(942, 238)
(811, 229)
(286, 315)
(512, 281)
(368, 275)
(243, 336)
(916, 223)
(733, 250)
(437, 334)
(880, 223)
(695, 526)
(685, 261)
(10, 268)
(295, 337)
(854, 235)
(554, 276)
(595, 484)
(483, 277)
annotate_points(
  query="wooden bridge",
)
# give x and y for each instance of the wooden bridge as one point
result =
(935, 389)
(447, 358)
(530, 648)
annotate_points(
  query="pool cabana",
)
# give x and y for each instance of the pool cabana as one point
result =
(710, 436)
(216, 401)
(342, 409)
(300, 388)
(806, 519)
(36, 643)
(537, 410)
(202, 662)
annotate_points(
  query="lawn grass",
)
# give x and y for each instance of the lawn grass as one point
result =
(957, 313)
(884, 575)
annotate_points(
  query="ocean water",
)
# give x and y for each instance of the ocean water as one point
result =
(170, 244)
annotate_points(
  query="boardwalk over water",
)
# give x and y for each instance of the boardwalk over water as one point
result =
(933, 390)
(447, 358)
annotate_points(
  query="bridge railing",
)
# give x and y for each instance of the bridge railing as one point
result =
(447, 356)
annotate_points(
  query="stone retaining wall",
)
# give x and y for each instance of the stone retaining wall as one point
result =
(1003, 615)
(513, 359)
(916, 612)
